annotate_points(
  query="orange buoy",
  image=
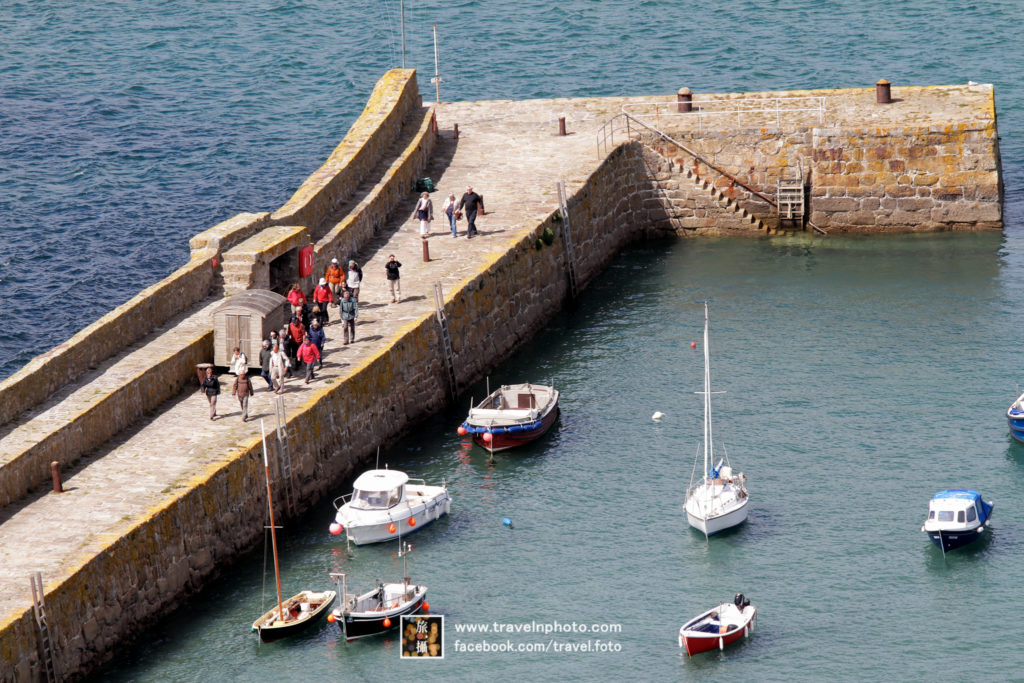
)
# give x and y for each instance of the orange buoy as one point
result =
(693, 345)
(426, 605)
(487, 437)
(331, 618)
(387, 623)
(461, 430)
(391, 528)
(412, 521)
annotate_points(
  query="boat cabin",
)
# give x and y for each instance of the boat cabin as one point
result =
(956, 509)
(379, 490)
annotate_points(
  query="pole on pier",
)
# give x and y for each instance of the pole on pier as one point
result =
(55, 473)
(401, 6)
(426, 250)
(437, 74)
(455, 131)
(561, 125)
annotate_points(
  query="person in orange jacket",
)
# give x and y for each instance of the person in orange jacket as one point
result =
(335, 277)
(297, 299)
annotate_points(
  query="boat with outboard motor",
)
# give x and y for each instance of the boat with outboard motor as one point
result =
(956, 517)
(386, 504)
(719, 626)
(380, 609)
(512, 415)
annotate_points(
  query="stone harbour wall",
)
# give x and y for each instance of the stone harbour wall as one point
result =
(865, 178)
(124, 325)
(380, 124)
(176, 547)
(363, 220)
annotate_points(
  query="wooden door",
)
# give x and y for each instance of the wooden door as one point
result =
(231, 332)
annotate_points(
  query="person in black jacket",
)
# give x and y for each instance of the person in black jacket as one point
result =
(394, 279)
(471, 202)
(211, 387)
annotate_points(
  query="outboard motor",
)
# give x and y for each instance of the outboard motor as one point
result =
(740, 601)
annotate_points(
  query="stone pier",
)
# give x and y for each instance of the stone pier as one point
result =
(158, 499)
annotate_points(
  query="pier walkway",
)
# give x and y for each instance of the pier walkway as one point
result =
(108, 489)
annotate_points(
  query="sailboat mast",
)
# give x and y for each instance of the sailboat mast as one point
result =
(273, 536)
(707, 395)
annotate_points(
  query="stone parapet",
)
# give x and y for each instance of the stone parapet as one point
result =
(126, 324)
(349, 235)
(227, 234)
(380, 124)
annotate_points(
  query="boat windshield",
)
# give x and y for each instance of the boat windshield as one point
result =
(376, 500)
(945, 515)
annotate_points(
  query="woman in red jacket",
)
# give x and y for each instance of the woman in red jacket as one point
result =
(297, 299)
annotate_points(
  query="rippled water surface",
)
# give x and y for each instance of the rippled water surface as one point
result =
(861, 374)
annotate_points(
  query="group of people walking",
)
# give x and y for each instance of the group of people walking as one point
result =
(300, 343)
(452, 210)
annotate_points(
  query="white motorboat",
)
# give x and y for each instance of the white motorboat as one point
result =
(386, 504)
(718, 500)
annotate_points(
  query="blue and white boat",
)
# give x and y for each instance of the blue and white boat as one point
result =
(956, 517)
(1015, 418)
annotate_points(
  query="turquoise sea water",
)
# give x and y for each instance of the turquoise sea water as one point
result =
(862, 374)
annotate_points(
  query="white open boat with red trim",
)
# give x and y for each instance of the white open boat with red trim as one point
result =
(512, 415)
(719, 626)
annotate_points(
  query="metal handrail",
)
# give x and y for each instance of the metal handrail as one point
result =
(699, 158)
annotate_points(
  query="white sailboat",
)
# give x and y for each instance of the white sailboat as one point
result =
(718, 500)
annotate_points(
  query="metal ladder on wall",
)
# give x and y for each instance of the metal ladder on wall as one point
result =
(45, 639)
(284, 460)
(570, 255)
(790, 196)
(446, 340)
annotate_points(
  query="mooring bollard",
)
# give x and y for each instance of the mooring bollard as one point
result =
(684, 98)
(426, 251)
(455, 131)
(55, 473)
(561, 125)
(883, 92)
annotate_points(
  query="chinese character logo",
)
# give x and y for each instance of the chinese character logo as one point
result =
(423, 635)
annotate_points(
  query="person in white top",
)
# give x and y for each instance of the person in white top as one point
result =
(425, 212)
(278, 366)
(354, 279)
(239, 363)
(450, 213)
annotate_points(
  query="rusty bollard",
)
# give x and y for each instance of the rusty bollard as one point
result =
(883, 92)
(684, 98)
(561, 125)
(55, 473)
(426, 251)
(455, 131)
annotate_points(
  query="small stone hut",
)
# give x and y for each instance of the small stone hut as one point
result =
(245, 320)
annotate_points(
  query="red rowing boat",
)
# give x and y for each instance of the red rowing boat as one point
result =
(719, 626)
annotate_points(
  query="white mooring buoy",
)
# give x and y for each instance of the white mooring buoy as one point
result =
(657, 416)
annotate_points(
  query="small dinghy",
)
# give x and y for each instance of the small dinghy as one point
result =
(298, 612)
(719, 626)
(956, 517)
(386, 504)
(380, 609)
(512, 415)
(1015, 418)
